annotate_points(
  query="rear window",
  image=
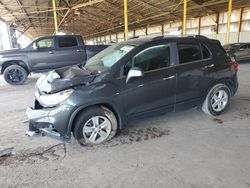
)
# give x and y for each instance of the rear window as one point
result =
(189, 52)
(205, 52)
(65, 42)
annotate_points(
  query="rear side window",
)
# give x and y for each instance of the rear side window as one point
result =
(65, 42)
(189, 52)
(244, 47)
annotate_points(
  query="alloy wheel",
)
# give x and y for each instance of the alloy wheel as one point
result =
(219, 100)
(97, 129)
(15, 75)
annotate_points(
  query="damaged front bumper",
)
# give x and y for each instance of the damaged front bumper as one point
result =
(52, 122)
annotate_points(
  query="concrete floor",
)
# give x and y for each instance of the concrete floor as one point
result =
(184, 149)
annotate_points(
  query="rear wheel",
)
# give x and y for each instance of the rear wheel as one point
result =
(15, 75)
(217, 100)
(94, 126)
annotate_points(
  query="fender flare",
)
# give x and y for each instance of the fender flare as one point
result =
(107, 104)
(21, 61)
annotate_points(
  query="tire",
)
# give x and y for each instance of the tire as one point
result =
(217, 100)
(87, 128)
(15, 75)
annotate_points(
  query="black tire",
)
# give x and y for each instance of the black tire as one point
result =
(207, 106)
(82, 121)
(15, 75)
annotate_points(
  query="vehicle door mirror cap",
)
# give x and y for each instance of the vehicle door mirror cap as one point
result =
(134, 72)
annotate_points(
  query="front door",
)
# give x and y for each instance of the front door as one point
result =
(42, 56)
(155, 90)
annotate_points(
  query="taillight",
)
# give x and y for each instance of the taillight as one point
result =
(235, 65)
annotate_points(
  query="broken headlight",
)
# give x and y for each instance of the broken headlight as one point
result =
(50, 100)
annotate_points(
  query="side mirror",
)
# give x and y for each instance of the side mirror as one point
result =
(134, 72)
(34, 46)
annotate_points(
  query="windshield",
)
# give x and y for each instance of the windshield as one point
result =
(108, 57)
(231, 46)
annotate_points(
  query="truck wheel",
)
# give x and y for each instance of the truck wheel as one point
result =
(94, 126)
(217, 100)
(15, 75)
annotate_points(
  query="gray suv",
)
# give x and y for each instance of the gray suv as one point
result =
(131, 80)
(239, 51)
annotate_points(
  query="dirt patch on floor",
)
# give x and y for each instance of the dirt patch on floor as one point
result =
(130, 136)
(41, 154)
(59, 151)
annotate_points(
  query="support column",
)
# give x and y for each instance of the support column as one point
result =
(228, 20)
(199, 25)
(125, 19)
(239, 24)
(184, 23)
(162, 29)
(55, 16)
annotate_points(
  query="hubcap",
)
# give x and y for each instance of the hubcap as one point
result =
(219, 100)
(15, 75)
(97, 129)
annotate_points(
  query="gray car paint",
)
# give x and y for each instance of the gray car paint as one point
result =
(144, 96)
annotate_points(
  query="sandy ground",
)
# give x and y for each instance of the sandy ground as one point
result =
(184, 149)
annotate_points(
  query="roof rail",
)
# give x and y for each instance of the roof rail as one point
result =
(135, 37)
(158, 37)
(198, 36)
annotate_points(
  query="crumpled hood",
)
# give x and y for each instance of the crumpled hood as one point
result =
(63, 78)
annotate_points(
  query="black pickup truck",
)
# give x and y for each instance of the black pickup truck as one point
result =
(43, 54)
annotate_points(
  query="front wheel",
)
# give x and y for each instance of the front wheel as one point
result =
(15, 75)
(217, 100)
(94, 126)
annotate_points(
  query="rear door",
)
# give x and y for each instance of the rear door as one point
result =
(195, 73)
(68, 51)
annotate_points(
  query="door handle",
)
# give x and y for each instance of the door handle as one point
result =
(78, 50)
(140, 85)
(209, 66)
(169, 77)
(50, 52)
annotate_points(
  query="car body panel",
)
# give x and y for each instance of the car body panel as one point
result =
(152, 93)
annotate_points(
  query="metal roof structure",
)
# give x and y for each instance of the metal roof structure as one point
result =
(92, 18)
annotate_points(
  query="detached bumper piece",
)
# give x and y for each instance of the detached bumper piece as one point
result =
(52, 133)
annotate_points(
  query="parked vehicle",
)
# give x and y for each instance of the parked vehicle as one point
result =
(43, 54)
(130, 80)
(239, 51)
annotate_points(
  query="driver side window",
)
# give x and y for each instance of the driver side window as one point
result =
(45, 43)
(152, 58)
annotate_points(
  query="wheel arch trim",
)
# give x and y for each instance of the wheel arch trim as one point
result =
(107, 104)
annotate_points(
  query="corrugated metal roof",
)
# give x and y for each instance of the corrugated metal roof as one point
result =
(101, 17)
